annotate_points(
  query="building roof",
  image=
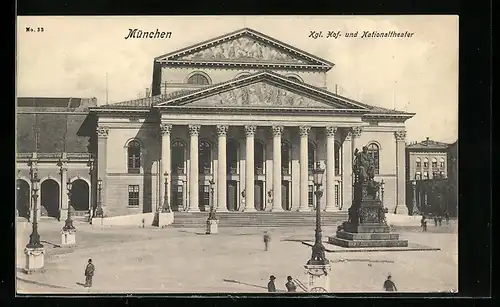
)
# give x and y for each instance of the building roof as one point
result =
(308, 59)
(177, 98)
(52, 125)
(428, 144)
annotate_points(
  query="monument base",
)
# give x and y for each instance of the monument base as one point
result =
(366, 235)
(68, 237)
(35, 259)
(212, 226)
(318, 277)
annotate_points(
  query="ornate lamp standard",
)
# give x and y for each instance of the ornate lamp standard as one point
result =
(166, 203)
(382, 184)
(34, 250)
(98, 212)
(415, 210)
(68, 233)
(212, 221)
(318, 267)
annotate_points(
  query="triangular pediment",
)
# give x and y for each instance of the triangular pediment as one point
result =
(262, 90)
(245, 46)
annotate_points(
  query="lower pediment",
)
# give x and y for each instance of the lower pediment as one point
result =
(262, 94)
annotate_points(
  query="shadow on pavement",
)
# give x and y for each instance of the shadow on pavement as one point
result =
(80, 284)
(52, 244)
(40, 283)
(243, 283)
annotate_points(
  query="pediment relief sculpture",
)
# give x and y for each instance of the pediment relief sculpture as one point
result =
(243, 48)
(260, 95)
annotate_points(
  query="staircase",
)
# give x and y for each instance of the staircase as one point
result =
(258, 219)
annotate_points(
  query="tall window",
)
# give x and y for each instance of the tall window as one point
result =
(133, 196)
(337, 158)
(178, 157)
(205, 157)
(434, 163)
(419, 163)
(426, 163)
(205, 195)
(441, 163)
(311, 156)
(418, 176)
(285, 158)
(134, 157)
(373, 150)
(426, 175)
(259, 157)
(310, 196)
(198, 79)
(232, 157)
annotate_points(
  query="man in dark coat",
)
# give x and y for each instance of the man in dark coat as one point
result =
(389, 285)
(290, 285)
(89, 272)
(271, 287)
(267, 239)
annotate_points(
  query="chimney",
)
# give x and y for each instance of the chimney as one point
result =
(427, 141)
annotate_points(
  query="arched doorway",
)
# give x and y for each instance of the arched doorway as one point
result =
(80, 195)
(50, 198)
(23, 198)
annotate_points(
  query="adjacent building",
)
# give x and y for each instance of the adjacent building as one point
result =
(250, 114)
(426, 160)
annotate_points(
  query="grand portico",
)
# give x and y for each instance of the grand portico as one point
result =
(254, 115)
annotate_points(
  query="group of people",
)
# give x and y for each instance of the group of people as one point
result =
(438, 220)
(290, 285)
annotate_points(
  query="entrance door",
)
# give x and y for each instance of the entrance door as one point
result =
(177, 198)
(259, 195)
(232, 195)
(285, 200)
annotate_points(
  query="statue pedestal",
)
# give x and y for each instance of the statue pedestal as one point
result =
(68, 237)
(35, 259)
(367, 226)
(212, 226)
(318, 277)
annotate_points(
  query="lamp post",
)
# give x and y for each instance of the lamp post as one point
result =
(382, 184)
(212, 221)
(18, 188)
(98, 212)
(68, 233)
(318, 267)
(166, 203)
(414, 198)
(34, 250)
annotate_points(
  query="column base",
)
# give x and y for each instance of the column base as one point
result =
(318, 277)
(35, 259)
(249, 209)
(401, 209)
(304, 209)
(223, 209)
(193, 210)
(277, 209)
(331, 209)
(68, 237)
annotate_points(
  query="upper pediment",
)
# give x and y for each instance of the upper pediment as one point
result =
(245, 46)
(262, 90)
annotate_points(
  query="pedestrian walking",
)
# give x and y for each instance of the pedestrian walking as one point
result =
(89, 273)
(267, 239)
(290, 285)
(435, 220)
(440, 220)
(271, 287)
(423, 223)
(447, 217)
(389, 284)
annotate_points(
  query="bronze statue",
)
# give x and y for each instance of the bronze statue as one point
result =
(364, 165)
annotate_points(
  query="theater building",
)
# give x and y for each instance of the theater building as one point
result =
(250, 113)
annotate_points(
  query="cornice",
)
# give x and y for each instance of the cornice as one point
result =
(219, 64)
(257, 110)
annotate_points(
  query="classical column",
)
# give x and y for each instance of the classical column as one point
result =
(165, 165)
(401, 207)
(277, 132)
(304, 171)
(347, 169)
(63, 196)
(330, 168)
(221, 168)
(193, 205)
(102, 143)
(249, 169)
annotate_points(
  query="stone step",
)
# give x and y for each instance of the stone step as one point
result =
(367, 236)
(367, 243)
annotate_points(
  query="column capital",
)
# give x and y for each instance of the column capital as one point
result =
(304, 130)
(250, 130)
(356, 132)
(330, 131)
(165, 129)
(194, 129)
(102, 132)
(400, 135)
(63, 170)
(222, 130)
(277, 130)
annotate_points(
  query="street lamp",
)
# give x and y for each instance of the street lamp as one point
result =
(414, 200)
(98, 212)
(166, 204)
(35, 186)
(382, 184)
(211, 215)
(318, 250)
(68, 224)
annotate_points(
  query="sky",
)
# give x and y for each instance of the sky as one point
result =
(418, 74)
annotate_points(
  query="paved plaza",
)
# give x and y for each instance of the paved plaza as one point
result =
(173, 260)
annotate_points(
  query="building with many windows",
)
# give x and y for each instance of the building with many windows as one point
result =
(251, 114)
(426, 160)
